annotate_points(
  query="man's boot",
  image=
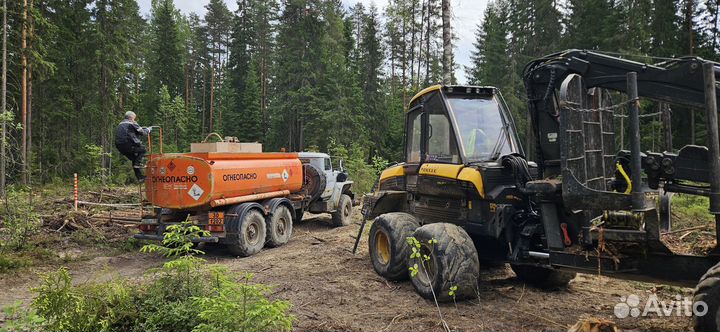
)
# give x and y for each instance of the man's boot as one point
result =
(138, 173)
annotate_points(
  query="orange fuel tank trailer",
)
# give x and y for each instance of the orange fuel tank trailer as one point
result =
(199, 180)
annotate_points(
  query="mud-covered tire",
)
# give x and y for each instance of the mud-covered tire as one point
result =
(708, 291)
(247, 234)
(453, 262)
(342, 216)
(389, 250)
(541, 277)
(279, 226)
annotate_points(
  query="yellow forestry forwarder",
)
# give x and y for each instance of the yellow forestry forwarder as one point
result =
(467, 183)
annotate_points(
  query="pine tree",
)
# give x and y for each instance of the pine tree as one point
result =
(448, 69)
(490, 58)
(296, 73)
(68, 99)
(218, 19)
(370, 65)
(664, 29)
(166, 66)
(165, 55)
(198, 67)
(638, 15)
(712, 22)
(592, 25)
(250, 120)
(173, 119)
(117, 22)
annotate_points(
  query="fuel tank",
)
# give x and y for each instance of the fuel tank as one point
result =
(193, 180)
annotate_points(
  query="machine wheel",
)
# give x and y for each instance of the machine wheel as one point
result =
(279, 226)
(250, 234)
(708, 291)
(341, 216)
(542, 277)
(453, 263)
(389, 250)
(665, 211)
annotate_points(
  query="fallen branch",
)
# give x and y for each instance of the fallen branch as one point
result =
(521, 294)
(685, 230)
(119, 219)
(319, 239)
(103, 194)
(393, 321)
(63, 226)
(119, 205)
(544, 318)
(686, 234)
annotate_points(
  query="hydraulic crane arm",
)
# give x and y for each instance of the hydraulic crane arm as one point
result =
(678, 81)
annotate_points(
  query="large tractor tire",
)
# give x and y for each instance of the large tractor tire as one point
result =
(453, 263)
(279, 226)
(341, 216)
(314, 182)
(246, 232)
(389, 250)
(708, 291)
(541, 277)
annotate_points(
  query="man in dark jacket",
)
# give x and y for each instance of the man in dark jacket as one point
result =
(128, 142)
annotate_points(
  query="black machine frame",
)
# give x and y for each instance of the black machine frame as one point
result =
(569, 129)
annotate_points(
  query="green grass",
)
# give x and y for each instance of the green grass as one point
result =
(11, 262)
(690, 211)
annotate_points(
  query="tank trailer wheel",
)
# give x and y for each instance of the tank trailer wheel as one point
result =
(279, 226)
(453, 263)
(389, 250)
(708, 291)
(341, 216)
(250, 234)
(542, 277)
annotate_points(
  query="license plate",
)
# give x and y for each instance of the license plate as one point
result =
(216, 218)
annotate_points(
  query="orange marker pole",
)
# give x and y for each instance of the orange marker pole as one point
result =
(75, 189)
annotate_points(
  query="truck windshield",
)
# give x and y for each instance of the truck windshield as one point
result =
(483, 133)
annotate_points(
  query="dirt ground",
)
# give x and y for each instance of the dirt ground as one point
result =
(333, 290)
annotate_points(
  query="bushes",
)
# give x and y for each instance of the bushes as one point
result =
(18, 221)
(691, 210)
(363, 174)
(184, 295)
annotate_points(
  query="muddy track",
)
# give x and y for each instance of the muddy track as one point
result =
(332, 290)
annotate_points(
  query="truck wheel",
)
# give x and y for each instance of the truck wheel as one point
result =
(708, 291)
(453, 263)
(542, 277)
(279, 226)
(389, 250)
(250, 234)
(341, 216)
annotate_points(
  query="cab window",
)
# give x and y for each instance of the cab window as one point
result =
(483, 132)
(328, 164)
(414, 137)
(441, 143)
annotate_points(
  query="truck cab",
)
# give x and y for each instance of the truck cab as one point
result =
(336, 195)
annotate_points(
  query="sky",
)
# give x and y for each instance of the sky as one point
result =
(467, 14)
